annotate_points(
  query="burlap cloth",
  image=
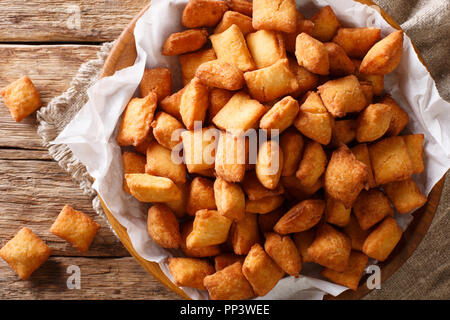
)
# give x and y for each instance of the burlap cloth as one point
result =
(426, 275)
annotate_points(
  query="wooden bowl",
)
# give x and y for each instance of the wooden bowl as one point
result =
(124, 54)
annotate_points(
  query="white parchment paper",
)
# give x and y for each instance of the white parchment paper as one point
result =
(91, 134)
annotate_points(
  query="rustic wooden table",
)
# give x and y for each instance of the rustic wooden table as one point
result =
(48, 40)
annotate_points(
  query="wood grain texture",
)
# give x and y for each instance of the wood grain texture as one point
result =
(33, 192)
(51, 68)
(410, 240)
(57, 20)
(101, 278)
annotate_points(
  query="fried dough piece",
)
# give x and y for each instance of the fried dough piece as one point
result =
(231, 157)
(194, 103)
(340, 63)
(255, 190)
(230, 199)
(210, 228)
(243, 21)
(384, 56)
(190, 272)
(244, 233)
(382, 241)
(203, 13)
(162, 226)
(291, 142)
(357, 41)
(284, 252)
(159, 163)
(269, 164)
(281, 115)
(189, 63)
(356, 234)
(197, 252)
(306, 80)
(132, 163)
(342, 96)
(312, 54)
(158, 80)
(303, 25)
(326, 24)
(279, 15)
(373, 122)
(345, 176)
(219, 74)
(399, 117)
(147, 188)
(264, 205)
(371, 207)
(266, 47)
(201, 195)
(303, 241)
(414, 144)
(330, 248)
(301, 217)
(185, 41)
(336, 213)
(405, 195)
(312, 165)
(167, 130)
(361, 152)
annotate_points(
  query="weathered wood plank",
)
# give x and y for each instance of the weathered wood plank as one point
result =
(106, 278)
(23, 154)
(51, 69)
(33, 192)
(63, 21)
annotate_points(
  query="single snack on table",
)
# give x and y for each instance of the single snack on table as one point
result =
(326, 24)
(405, 195)
(136, 120)
(148, 188)
(243, 21)
(25, 253)
(351, 276)
(336, 213)
(272, 82)
(381, 242)
(158, 80)
(194, 103)
(313, 119)
(203, 13)
(75, 227)
(275, 15)
(219, 74)
(342, 96)
(281, 115)
(241, 6)
(373, 122)
(355, 233)
(266, 47)
(210, 228)
(167, 130)
(261, 271)
(330, 248)
(230, 46)
(228, 284)
(384, 56)
(200, 196)
(163, 227)
(390, 160)
(269, 164)
(231, 157)
(185, 41)
(224, 260)
(199, 149)
(159, 163)
(132, 163)
(284, 252)
(312, 165)
(399, 117)
(303, 241)
(340, 63)
(371, 207)
(357, 41)
(306, 80)
(190, 272)
(291, 142)
(312, 54)
(189, 63)
(21, 98)
(244, 233)
(197, 252)
(230, 199)
(345, 176)
(361, 152)
(264, 205)
(414, 144)
(240, 113)
(255, 190)
(301, 217)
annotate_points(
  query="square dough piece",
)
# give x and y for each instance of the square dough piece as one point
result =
(25, 253)
(76, 227)
(280, 15)
(21, 98)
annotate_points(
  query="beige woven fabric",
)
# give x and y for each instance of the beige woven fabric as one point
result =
(426, 275)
